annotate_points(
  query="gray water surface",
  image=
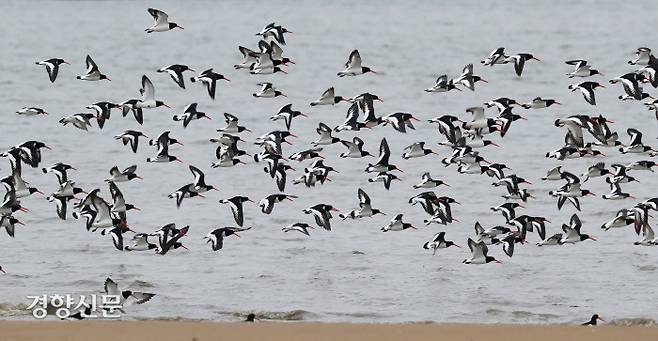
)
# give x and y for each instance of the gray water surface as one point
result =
(321, 278)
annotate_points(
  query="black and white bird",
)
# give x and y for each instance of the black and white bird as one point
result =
(123, 176)
(365, 208)
(9, 223)
(182, 193)
(130, 137)
(570, 192)
(642, 165)
(616, 192)
(268, 91)
(307, 154)
(643, 57)
(443, 84)
(162, 23)
(439, 242)
(382, 164)
(508, 210)
(176, 73)
(81, 121)
(162, 155)
(52, 66)
(631, 84)
(427, 181)
(595, 171)
(119, 205)
(126, 296)
(468, 79)
(572, 231)
(31, 111)
(325, 136)
(581, 69)
(497, 56)
(103, 111)
(190, 114)
(216, 236)
(386, 178)
(354, 148)
(232, 125)
(353, 66)
(93, 73)
(400, 121)
(328, 98)
(396, 224)
(587, 89)
(479, 253)
(636, 146)
(141, 243)
(351, 120)
(236, 205)
(287, 114)
(274, 31)
(148, 95)
(267, 204)
(169, 237)
(539, 103)
(209, 79)
(60, 170)
(248, 58)
(199, 184)
(593, 320)
(416, 150)
(63, 195)
(520, 60)
(322, 214)
(299, 227)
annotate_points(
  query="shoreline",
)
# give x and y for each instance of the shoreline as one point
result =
(18, 330)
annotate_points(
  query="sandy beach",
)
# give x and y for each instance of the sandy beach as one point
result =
(201, 331)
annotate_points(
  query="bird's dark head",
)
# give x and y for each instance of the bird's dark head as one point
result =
(586, 237)
(161, 103)
(377, 211)
(132, 207)
(586, 192)
(366, 69)
(13, 221)
(479, 79)
(105, 77)
(173, 25)
(286, 60)
(224, 78)
(34, 190)
(279, 93)
(492, 259)
(408, 226)
(251, 318)
(2, 270)
(597, 317)
(593, 72)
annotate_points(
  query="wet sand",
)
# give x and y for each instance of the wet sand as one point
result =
(201, 331)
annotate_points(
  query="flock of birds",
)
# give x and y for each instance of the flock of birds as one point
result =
(463, 138)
